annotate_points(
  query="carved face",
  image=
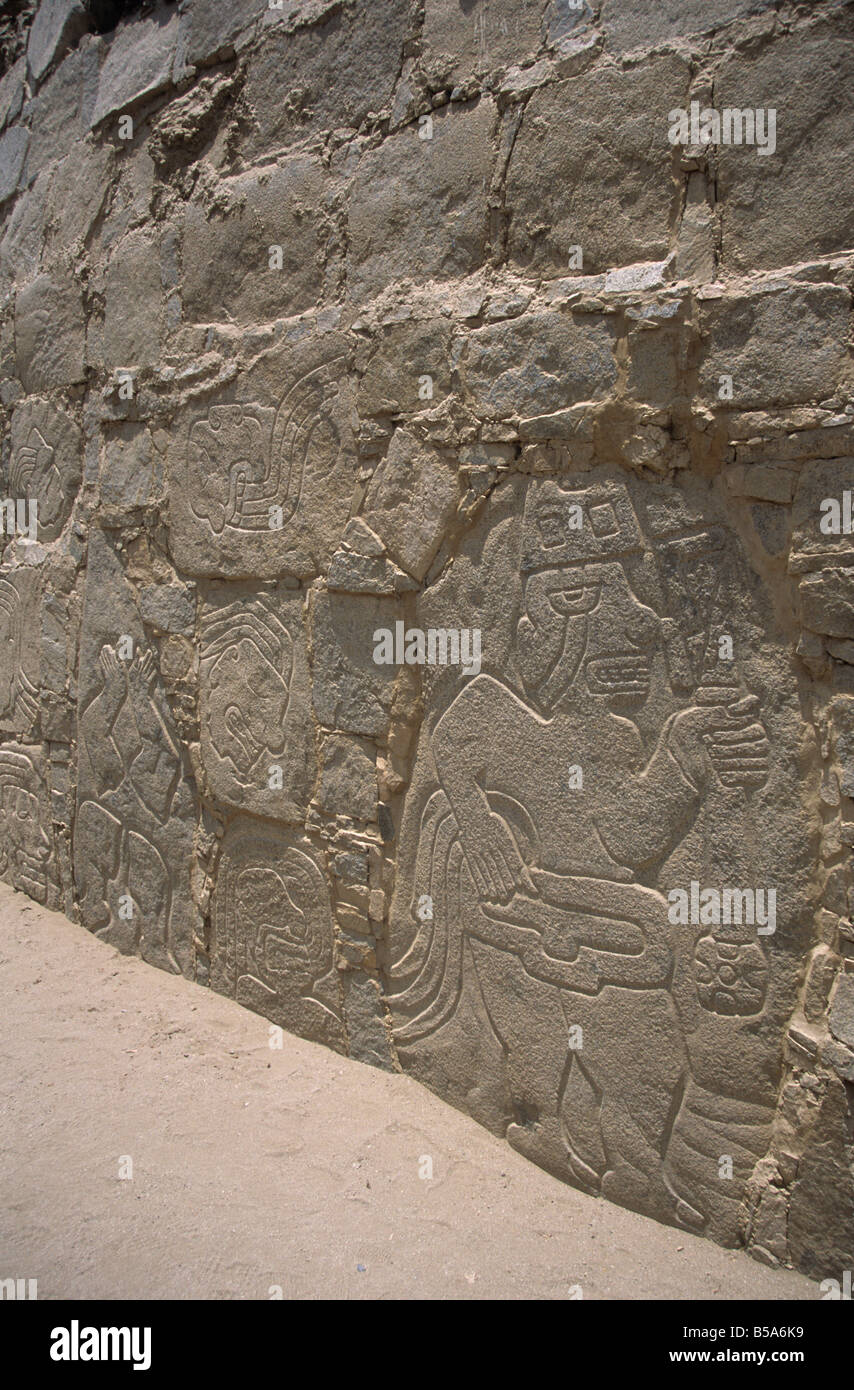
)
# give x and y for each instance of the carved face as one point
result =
(26, 842)
(584, 626)
(247, 706)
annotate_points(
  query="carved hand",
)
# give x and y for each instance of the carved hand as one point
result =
(725, 739)
(497, 867)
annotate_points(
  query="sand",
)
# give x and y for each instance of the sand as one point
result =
(257, 1171)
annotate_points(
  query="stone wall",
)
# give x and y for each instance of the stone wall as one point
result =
(341, 335)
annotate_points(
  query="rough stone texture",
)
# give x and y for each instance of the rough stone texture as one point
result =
(432, 572)
(49, 333)
(279, 207)
(569, 128)
(441, 184)
(138, 63)
(57, 24)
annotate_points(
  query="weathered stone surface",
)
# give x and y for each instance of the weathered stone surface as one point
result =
(133, 832)
(785, 207)
(50, 332)
(629, 26)
(510, 871)
(827, 602)
(842, 1011)
(12, 91)
(335, 71)
(821, 1211)
(348, 778)
(813, 542)
(350, 691)
(569, 129)
(133, 328)
(131, 473)
(46, 462)
(226, 252)
(363, 1010)
(480, 35)
(14, 144)
(538, 364)
(57, 24)
(409, 369)
(261, 479)
(255, 703)
(209, 28)
(410, 501)
(21, 591)
(138, 63)
(27, 851)
(751, 339)
(61, 111)
(443, 642)
(418, 207)
(273, 932)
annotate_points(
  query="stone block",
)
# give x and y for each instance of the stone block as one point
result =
(50, 332)
(418, 208)
(334, 72)
(782, 208)
(273, 931)
(538, 364)
(46, 462)
(261, 479)
(57, 24)
(136, 811)
(28, 857)
(227, 274)
(781, 345)
(613, 121)
(138, 63)
(257, 739)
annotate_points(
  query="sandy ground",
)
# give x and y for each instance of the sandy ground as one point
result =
(255, 1168)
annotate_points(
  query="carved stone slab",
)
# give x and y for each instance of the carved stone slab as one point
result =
(20, 648)
(255, 703)
(27, 849)
(634, 730)
(272, 944)
(46, 463)
(260, 480)
(136, 814)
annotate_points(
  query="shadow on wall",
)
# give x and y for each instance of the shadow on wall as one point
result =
(105, 14)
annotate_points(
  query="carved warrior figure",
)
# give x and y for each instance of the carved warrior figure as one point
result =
(544, 880)
(134, 766)
(25, 846)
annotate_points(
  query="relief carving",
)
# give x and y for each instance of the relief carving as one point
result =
(257, 740)
(27, 859)
(257, 487)
(46, 463)
(20, 631)
(273, 932)
(554, 897)
(133, 834)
